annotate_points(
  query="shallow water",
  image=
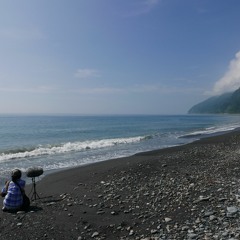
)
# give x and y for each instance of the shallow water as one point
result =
(56, 142)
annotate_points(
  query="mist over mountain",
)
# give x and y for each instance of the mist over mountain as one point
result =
(225, 103)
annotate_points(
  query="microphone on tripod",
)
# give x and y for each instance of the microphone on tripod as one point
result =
(34, 172)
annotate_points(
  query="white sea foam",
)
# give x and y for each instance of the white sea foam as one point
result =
(211, 131)
(68, 147)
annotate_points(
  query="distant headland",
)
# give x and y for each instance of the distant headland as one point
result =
(225, 103)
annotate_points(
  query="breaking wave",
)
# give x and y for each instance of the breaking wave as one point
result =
(210, 131)
(66, 147)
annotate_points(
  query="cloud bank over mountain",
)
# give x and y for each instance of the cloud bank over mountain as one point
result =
(231, 79)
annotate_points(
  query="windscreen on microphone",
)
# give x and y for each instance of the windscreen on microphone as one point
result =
(34, 172)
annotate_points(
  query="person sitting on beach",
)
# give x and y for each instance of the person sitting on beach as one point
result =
(12, 193)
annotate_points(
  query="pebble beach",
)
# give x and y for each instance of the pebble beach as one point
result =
(185, 192)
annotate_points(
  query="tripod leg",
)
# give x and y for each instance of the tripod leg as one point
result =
(34, 195)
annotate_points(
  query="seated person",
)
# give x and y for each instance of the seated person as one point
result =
(12, 193)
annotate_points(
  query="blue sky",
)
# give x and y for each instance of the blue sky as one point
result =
(116, 56)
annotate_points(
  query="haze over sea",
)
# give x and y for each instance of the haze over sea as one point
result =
(57, 142)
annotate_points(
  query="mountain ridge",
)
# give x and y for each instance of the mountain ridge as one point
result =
(225, 103)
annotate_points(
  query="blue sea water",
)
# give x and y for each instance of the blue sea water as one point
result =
(57, 142)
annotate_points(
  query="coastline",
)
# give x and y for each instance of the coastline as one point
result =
(183, 192)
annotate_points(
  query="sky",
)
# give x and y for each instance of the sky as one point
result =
(116, 56)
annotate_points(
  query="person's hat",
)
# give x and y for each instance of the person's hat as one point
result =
(16, 173)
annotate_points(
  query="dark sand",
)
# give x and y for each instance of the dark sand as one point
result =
(186, 192)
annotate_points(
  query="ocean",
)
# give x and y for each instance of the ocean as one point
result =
(58, 142)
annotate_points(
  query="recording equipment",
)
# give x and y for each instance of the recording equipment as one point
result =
(34, 172)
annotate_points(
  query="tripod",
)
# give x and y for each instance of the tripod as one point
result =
(34, 194)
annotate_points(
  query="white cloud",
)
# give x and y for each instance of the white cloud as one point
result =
(87, 73)
(139, 89)
(231, 79)
(162, 89)
(143, 7)
(105, 90)
(22, 34)
(39, 89)
(149, 4)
